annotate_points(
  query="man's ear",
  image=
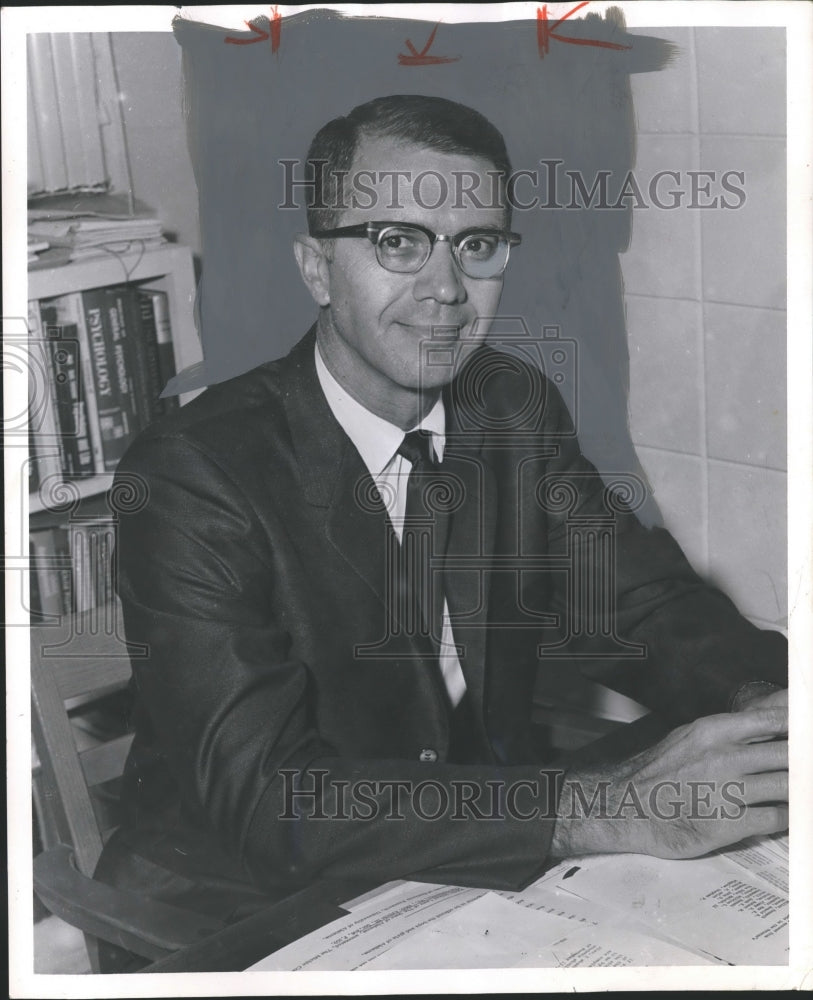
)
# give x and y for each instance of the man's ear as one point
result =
(313, 266)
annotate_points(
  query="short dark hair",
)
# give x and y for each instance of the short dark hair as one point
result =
(434, 122)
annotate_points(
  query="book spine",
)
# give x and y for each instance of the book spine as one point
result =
(86, 460)
(83, 564)
(91, 558)
(70, 309)
(163, 335)
(44, 439)
(125, 358)
(47, 549)
(109, 377)
(34, 595)
(63, 551)
(126, 303)
(149, 338)
(104, 581)
(63, 345)
(64, 410)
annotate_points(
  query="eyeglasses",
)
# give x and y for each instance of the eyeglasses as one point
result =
(406, 247)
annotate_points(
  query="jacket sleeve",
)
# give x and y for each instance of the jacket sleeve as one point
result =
(230, 711)
(695, 649)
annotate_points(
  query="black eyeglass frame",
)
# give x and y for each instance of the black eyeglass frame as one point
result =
(374, 230)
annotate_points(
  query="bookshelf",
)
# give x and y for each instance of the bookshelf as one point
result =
(71, 524)
(169, 269)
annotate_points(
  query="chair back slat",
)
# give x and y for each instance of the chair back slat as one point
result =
(106, 761)
(70, 666)
(75, 677)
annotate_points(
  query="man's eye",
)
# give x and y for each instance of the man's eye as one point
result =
(397, 242)
(479, 247)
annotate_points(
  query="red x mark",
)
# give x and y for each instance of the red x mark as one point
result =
(545, 31)
(421, 58)
(273, 34)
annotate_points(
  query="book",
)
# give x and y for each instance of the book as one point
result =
(92, 545)
(125, 321)
(85, 457)
(43, 424)
(163, 335)
(63, 349)
(51, 564)
(69, 312)
(110, 380)
(150, 340)
(69, 452)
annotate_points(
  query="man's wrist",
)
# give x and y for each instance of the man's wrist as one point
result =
(581, 820)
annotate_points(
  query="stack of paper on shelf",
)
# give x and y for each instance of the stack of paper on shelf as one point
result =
(35, 247)
(77, 228)
(84, 237)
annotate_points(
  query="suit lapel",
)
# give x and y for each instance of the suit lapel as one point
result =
(333, 474)
(357, 524)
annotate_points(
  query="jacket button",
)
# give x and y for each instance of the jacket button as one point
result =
(428, 756)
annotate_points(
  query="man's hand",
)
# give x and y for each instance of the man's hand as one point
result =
(706, 786)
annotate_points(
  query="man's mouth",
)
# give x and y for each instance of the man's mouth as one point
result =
(436, 331)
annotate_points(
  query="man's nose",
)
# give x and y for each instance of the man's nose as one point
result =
(440, 277)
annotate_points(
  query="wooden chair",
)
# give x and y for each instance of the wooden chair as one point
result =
(73, 665)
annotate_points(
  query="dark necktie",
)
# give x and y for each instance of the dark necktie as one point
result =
(423, 545)
(421, 541)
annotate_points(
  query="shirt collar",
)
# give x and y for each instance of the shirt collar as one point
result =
(376, 439)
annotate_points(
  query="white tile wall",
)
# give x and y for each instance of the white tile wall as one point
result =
(747, 538)
(658, 233)
(741, 80)
(705, 312)
(665, 101)
(746, 421)
(744, 249)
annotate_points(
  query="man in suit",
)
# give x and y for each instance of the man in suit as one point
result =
(350, 563)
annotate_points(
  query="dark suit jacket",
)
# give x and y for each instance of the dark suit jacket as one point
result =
(256, 572)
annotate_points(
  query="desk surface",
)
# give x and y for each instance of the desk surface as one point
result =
(241, 944)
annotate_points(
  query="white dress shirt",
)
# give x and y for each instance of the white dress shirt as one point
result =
(377, 441)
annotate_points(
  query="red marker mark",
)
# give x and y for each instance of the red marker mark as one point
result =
(421, 58)
(276, 28)
(545, 31)
(274, 34)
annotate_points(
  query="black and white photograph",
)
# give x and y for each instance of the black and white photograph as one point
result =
(407, 434)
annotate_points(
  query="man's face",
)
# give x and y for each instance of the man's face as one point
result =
(382, 322)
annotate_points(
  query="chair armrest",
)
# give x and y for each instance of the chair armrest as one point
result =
(253, 938)
(146, 927)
